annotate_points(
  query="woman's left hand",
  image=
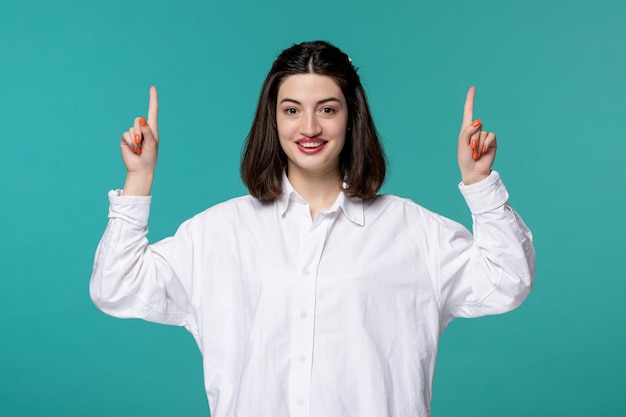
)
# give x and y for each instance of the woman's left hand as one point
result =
(477, 148)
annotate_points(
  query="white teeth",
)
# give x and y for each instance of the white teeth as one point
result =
(310, 144)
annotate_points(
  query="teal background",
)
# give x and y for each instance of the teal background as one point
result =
(551, 81)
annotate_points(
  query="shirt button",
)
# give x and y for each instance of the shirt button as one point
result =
(300, 403)
(306, 272)
(302, 359)
(305, 235)
(304, 314)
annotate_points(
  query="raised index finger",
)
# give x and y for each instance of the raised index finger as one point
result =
(468, 110)
(153, 110)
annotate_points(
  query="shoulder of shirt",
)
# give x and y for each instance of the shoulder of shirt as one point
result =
(232, 208)
(405, 209)
(390, 201)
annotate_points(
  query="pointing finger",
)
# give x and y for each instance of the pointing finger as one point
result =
(468, 110)
(153, 109)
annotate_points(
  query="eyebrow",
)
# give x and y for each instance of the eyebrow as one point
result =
(323, 101)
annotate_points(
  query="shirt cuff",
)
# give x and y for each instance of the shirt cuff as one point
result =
(485, 195)
(133, 209)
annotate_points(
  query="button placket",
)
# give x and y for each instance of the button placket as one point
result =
(303, 321)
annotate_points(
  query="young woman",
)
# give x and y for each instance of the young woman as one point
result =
(313, 295)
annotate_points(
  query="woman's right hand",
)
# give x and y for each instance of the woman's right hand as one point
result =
(140, 145)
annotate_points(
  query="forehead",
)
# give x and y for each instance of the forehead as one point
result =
(314, 87)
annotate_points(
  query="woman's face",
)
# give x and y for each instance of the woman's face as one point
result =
(312, 118)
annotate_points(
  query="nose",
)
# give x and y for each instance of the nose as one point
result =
(310, 126)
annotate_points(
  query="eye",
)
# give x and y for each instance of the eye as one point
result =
(328, 110)
(290, 111)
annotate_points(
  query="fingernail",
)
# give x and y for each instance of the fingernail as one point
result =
(484, 150)
(137, 139)
(137, 151)
(474, 144)
(142, 121)
(477, 123)
(475, 155)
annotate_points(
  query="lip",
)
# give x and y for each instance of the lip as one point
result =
(311, 151)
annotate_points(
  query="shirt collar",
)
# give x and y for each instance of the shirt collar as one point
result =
(289, 194)
(351, 207)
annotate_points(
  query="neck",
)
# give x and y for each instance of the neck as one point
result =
(319, 190)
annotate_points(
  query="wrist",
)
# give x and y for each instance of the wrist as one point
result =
(470, 179)
(138, 183)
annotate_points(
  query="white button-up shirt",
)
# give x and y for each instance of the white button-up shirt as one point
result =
(334, 317)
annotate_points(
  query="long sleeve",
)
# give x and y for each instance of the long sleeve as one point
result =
(490, 271)
(131, 278)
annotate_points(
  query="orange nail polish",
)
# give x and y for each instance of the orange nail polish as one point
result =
(477, 123)
(137, 151)
(142, 121)
(137, 139)
(475, 155)
(484, 150)
(474, 144)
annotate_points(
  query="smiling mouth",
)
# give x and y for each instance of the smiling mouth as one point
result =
(311, 143)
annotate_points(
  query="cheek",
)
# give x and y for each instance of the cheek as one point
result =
(284, 135)
(339, 129)
(283, 128)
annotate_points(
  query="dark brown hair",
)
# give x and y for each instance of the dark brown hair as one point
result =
(362, 159)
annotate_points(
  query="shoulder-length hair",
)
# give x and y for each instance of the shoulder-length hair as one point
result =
(362, 160)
